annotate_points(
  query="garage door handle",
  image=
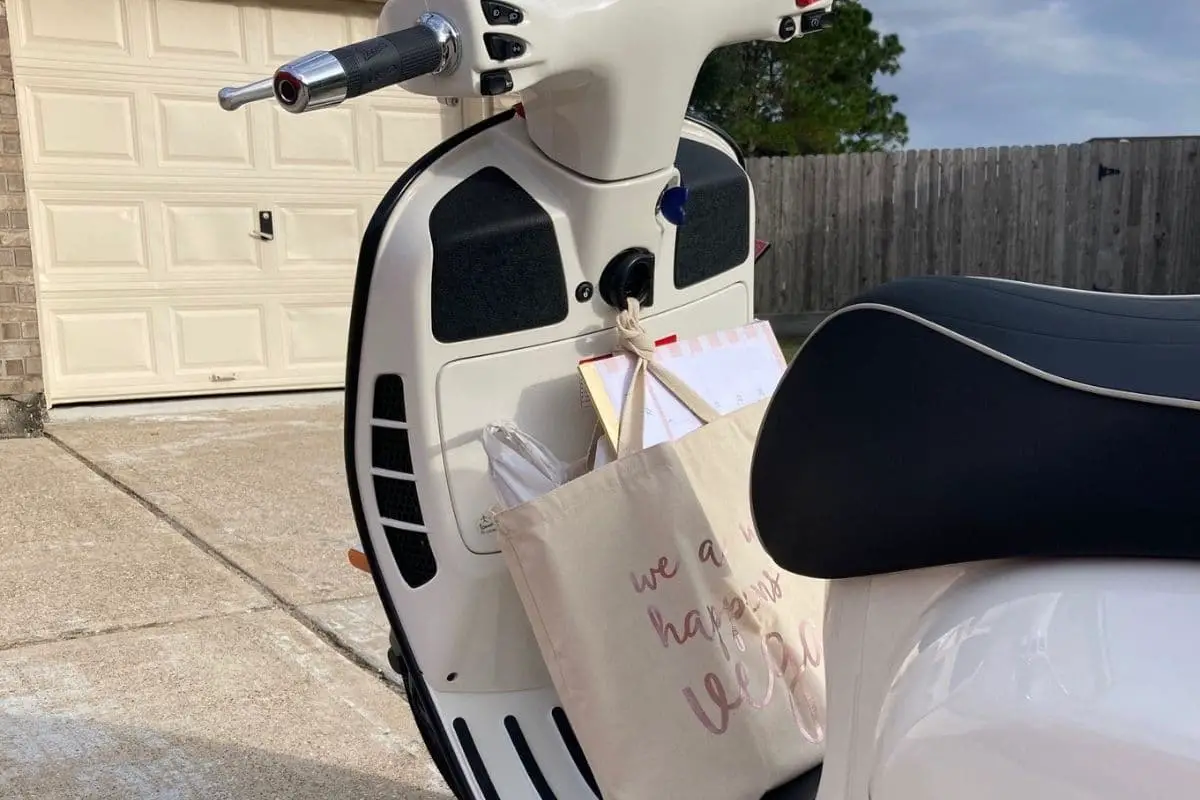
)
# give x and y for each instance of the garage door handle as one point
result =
(266, 227)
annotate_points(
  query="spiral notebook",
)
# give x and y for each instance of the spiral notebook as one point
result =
(730, 369)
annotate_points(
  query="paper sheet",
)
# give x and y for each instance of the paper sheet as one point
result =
(730, 369)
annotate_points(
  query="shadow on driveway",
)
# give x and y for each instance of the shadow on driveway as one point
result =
(98, 760)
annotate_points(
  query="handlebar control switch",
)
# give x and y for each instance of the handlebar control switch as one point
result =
(813, 21)
(498, 13)
(494, 82)
(502, 47)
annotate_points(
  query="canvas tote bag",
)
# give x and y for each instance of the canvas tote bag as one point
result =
(688, 662)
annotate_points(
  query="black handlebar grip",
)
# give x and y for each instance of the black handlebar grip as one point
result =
(389, 59)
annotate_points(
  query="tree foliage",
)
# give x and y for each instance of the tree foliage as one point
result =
(813, 95)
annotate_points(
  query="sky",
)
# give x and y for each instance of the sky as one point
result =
(978, 73)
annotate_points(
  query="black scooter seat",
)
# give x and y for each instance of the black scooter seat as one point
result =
(803, 787)
(935, 421)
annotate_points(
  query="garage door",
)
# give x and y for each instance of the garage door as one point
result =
(147, 201)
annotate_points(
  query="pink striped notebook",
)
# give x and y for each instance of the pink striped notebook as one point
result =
(730, 369)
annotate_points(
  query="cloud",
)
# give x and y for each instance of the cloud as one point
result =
(1055, 37)
(986, 72)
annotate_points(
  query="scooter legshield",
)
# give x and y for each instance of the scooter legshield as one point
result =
(477, 293)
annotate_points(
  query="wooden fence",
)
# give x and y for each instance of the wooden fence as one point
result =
(1117, 216)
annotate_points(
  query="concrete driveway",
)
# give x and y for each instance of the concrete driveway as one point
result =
(179, 618)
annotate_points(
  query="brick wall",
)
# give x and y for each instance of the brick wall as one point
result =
(21, 400)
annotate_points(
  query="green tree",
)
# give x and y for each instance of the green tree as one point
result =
(813, 95)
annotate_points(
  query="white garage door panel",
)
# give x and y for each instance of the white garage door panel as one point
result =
(113, 350)
(169, 294)
(144, 194)
(163, 131)
(188, 241)
(186, 33)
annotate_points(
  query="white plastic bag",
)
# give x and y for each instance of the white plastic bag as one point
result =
(521, 467)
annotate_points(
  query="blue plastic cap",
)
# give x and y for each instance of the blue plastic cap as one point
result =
(674, 205)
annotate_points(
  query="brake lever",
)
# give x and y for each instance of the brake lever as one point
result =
(234, 97)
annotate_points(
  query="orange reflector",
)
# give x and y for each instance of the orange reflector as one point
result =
(358, 559)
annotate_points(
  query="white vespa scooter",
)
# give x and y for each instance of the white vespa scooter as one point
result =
(934, 443)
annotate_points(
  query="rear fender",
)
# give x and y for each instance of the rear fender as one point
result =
(1062, 681)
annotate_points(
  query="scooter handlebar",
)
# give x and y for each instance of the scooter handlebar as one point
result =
(604, 91)
(389, 59)
(327, 78)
